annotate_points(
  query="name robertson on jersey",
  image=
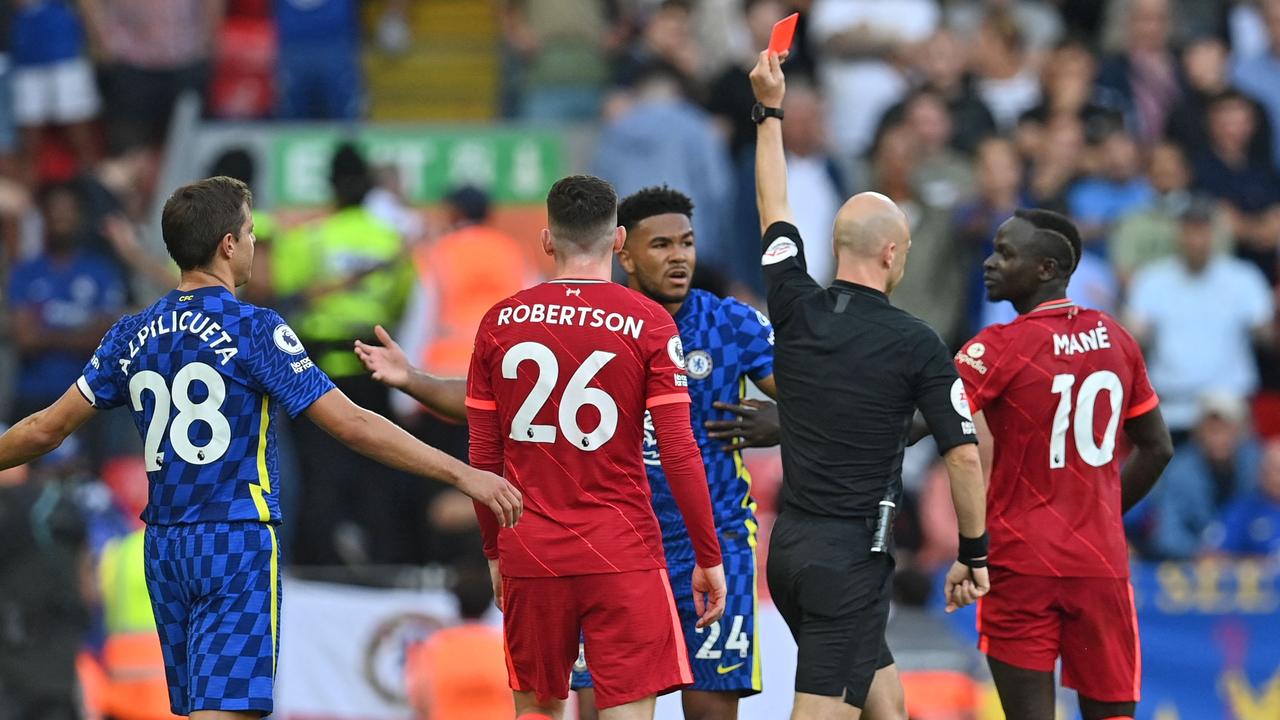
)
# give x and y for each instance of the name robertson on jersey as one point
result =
(1082, 342)
(190, 321)
(572, 315)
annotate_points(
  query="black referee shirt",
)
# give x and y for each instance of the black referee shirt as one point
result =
(851, 370)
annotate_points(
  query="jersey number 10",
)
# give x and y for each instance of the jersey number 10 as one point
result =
(207, 411)
(1089, 451)
(576, 394)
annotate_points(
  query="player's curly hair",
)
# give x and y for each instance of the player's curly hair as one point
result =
(650, 201)
(1056, 228)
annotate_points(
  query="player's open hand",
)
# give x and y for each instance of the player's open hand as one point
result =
(708, 594)
(767, 81)
(756, 425)
(965, 585)
(389, 365)
(494, 493)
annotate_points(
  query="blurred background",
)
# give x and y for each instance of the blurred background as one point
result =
(400, 152)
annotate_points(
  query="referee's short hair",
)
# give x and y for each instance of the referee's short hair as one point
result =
(655, 200)
(197, 216)
(582, 210)
(1056, 237)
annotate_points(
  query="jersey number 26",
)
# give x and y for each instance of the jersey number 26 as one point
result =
(576, 394)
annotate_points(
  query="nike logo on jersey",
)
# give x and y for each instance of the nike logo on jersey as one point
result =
(722, 670)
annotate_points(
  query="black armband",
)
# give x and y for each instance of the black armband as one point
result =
(973, 551)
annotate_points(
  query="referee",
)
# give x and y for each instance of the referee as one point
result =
(851, 370)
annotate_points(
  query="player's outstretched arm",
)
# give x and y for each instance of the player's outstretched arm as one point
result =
(769, 86)
(43, 431)
(374, 436)
(390, 366)
(1152, 450)
(967, 580)
(682, 463)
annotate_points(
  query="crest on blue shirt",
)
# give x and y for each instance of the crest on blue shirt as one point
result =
(698, 364)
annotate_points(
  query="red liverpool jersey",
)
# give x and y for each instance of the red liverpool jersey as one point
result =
(570, 367)
(1055, 387)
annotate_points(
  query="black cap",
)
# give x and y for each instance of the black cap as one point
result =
(470, 201)
(1200, 208)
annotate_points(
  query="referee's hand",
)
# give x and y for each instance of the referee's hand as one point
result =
(965, 585)
(708, 582)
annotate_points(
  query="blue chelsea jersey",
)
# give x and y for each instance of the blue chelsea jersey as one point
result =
(725, 342)
(203, 374)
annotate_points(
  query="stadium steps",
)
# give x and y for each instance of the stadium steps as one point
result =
(450, 71)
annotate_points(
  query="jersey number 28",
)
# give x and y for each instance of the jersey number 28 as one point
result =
(207, 411)
(1092, 453)
(576, 394)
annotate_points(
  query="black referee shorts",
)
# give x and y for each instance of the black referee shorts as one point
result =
(834, 594)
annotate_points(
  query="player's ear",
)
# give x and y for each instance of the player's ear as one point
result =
(228, 245)
(619, 238)
(548, 246)
(624, 258)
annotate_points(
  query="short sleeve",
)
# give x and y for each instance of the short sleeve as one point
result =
(279, 363)
(479, 377)
(665, 380)
(754, 338)
(940, 394)
(978, 364)
(102, 382)
(785, 272)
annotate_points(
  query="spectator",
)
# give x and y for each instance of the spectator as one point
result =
(1069, 89)
(942, 177)
(1197, 314)
(1257, 75)
(338, 277)
(1100, 200)
(1007, 81)
(52, 82)
(1145, 75)
(998, 174)
(942, 62)
(1152, 232)
(730, 98)
(151, 53)
(1250, 525)
(1247, 185)
(63, 300)
(8, 130)
(1038, 21)
(558, 50)
(459, 673)
(814, 183)
(1204, 66)
(44, 593)
(664, 138)
(861, 42)
(1056, 162)
(1219, 463)
(666, 38)
(318, 70)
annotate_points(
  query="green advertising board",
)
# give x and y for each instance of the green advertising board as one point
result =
(514, 166)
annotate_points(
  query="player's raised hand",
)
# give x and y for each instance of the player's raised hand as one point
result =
(767, 80)
(494, 493)
(965, 585)
(388, 364)
(756, 425)
(708, 594)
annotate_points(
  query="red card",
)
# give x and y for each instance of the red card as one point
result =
(783, 31)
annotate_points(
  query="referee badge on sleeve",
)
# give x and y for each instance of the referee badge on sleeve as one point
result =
(779, 250)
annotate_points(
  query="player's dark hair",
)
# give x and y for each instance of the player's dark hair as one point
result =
(473, 588)
(655, 200)
(583, 210)
(1056, 237)
(197, 216)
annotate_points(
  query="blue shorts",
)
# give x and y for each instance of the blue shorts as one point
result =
(215, 591)
(723, 656)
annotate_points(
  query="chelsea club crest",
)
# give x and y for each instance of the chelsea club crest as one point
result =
(698, 364)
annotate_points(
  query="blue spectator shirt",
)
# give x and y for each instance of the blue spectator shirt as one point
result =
(204, 374)
(64, 295)
(725, 342)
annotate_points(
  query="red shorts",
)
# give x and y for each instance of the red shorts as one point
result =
(628, 622)
(1027, 621)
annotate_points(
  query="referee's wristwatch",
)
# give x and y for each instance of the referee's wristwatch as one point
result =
(760, 113)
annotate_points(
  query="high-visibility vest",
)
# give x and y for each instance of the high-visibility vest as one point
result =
(469, 270)
(460, 673)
